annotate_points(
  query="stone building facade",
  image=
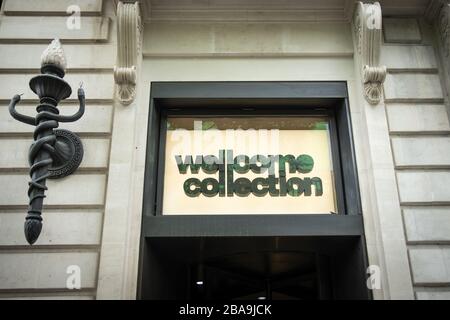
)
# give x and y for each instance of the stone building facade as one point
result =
(393, 57)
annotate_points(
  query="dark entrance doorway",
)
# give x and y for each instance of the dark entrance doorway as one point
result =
(257, 275)
(269, 268)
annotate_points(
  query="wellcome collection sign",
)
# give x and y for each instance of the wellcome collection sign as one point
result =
(245, 166)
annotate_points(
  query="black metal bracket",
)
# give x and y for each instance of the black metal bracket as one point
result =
(55, 153)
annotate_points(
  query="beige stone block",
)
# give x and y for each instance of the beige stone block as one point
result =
(307, 38)
(74, 190)
(423, 186)
(249, 69)
(401, 30)
(110, 270)
(378, 135)
(60, 227)
(401, 86)
(117, 203)
(79, 56)
(215, 38)
(433, 295)
(97, 118)
(41, 270)
(408, 57)
(47, 28)
(427, 224)
(421, 151)
(394, 252)
(256, 38)
(96, 85)
(430, 265)
(177, 38)
(33, 7)
(417, 118)
(15, 153)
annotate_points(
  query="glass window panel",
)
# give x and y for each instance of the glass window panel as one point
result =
(248, 165)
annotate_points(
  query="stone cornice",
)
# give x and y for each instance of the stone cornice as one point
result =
(128, 48)
(367, 24)
(246, 11)
(266, 10)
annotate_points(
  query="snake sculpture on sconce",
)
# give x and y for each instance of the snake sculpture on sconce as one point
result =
(55, 153)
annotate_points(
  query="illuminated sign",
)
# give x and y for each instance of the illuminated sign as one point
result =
(258, 165)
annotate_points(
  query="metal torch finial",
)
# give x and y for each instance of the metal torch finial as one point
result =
(54, 55)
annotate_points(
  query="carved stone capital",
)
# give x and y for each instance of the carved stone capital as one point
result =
(367, 23)
(128, 49)
(373, 78)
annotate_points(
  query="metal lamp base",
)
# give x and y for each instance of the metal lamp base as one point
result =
(68, 154)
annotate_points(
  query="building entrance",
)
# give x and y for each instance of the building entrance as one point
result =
(258, 275)
(251, 192)
(267, 268)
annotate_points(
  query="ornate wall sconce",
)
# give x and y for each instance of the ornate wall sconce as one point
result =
(54, 153)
